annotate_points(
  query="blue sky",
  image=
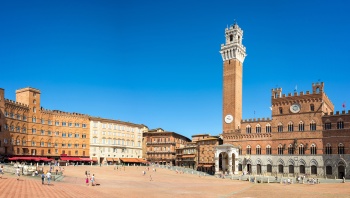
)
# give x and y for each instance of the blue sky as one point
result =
(158, 63)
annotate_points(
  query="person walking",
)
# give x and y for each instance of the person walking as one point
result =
(48, 176)
(18, 173)
(42, 178)
(92, 180)
(87, 180)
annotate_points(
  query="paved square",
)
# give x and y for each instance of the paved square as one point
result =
(131, 183)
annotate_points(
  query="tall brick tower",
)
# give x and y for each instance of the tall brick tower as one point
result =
(233, 53)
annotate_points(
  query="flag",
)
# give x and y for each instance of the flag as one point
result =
(296, 88)
(344, 105)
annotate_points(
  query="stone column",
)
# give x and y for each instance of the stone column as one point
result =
(230, 164)
(216, 165)
(236, 167)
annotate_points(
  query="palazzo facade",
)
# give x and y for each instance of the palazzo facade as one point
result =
(304, 136)
(28, 130)
(114, 141)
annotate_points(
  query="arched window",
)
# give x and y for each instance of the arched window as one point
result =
(340, 124)
(280, 149)
(268, 150)
(34, 119)
(291, 149)
(328, 149)
(258, 150)
(249, 151)
(280, 127)
(301, 150)
(313, 149)
(258, 128)
(290, 126)
(248, 129)
(327, 125)
(268, 128)
(340, 148)
(312, 126)
(301, 126)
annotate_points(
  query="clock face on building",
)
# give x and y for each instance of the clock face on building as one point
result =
(228, 118)
(295, 108)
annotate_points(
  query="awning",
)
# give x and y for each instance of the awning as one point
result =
(207, 166)
(94, 159)
(70, 158)
(109, 159)
(31, 159)
(188, 156)
(133, 160)
(116, 159)
(200, 165)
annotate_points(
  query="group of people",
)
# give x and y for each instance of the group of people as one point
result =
(89, 179)
(47, 176)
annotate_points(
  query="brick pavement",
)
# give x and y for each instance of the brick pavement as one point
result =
(166, 183)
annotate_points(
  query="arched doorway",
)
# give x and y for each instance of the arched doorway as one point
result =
(341, 170)
(249, 167)
(258, 169)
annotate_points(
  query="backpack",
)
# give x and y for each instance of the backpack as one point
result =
(42, 176)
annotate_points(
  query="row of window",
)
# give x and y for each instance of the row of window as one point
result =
(43, 132)
(117, 127)
(43, 144)
(116, 134)
(290, 127)
(115, 142)
(42, 121)
(291, 150)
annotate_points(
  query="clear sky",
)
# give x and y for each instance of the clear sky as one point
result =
(158, 63)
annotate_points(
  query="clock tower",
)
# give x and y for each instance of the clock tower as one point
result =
(233, 53)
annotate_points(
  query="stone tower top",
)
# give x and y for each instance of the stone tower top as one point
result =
(233, 47)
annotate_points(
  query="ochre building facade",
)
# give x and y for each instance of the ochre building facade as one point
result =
(27, 129)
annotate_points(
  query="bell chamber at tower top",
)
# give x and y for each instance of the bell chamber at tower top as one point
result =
(233, 47)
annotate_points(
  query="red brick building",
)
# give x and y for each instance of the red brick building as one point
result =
(303, 136)
(160, 146)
